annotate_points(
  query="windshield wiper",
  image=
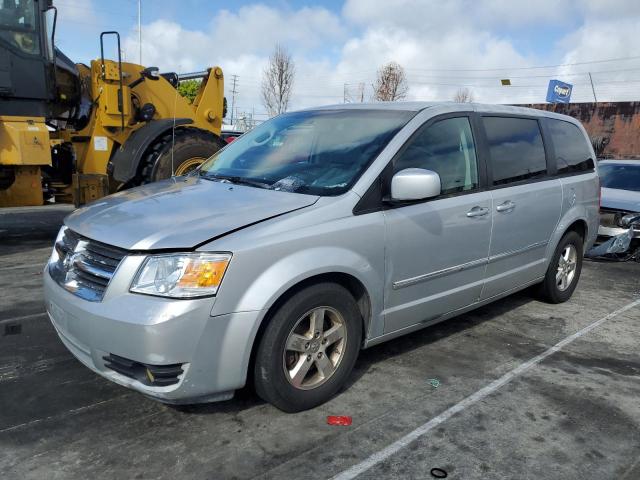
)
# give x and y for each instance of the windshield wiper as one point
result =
(237, 180)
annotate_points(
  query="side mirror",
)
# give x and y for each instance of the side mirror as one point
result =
(415, 184)
(152, 73)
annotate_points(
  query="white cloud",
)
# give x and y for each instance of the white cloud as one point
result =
(425, 36)
(256, 28)
(431, 16)
(81, 13)
(167, 45)
(606, 38)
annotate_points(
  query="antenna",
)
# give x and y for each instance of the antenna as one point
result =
(173, 128)
(140, 31)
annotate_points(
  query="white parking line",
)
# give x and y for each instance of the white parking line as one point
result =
(18, 267)
(401, 443)
(23, 317)
(62, 415)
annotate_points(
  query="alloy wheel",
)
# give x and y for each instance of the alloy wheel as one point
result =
(314, 348)
(567, 264)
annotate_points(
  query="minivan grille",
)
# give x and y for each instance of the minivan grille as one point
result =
(84, 267)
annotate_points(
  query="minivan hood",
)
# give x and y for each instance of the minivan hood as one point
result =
(179, 213)
(616, 199)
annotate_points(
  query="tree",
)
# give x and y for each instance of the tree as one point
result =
(463, 95)
(277, 81)
(391, 83)
(189, 89)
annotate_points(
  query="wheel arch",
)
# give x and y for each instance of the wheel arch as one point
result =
(580, 227)
(575, 220)
(355, 287)
(125, 163)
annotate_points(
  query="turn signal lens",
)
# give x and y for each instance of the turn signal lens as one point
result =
(202, 273)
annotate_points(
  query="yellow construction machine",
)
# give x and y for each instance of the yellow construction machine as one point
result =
(73, 133)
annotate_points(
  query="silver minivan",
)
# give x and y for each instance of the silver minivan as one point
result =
(319, 233)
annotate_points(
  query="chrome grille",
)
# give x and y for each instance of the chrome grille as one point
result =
(84, 267)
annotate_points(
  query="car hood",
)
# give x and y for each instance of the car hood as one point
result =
(179, 213)
(616, 199)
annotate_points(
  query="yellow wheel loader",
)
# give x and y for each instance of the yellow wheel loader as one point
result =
(73, 133)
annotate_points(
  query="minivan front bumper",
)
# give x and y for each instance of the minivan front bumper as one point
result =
(213, 352)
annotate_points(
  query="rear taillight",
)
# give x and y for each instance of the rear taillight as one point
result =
(599, 195)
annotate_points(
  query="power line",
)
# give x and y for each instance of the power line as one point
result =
(529, 68)
(546, 75)
(501, 69)
(233, 95)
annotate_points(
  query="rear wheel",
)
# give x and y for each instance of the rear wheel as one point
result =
(309, 348)
(190, 146)
(564, 270)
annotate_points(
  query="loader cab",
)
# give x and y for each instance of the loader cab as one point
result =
(36, 80)
(25, 61)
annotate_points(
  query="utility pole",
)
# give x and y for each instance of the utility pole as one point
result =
(595, 99)
(140, 31)
(233, 95)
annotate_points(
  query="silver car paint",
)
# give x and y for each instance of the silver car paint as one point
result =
(415, 184)
(616, 199)
(520, 233)
(145, 223)
(306, 237)
(423, 282)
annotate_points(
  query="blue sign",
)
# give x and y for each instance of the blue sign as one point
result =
(559, 92)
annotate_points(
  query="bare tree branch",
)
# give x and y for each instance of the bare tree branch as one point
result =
(391, 83)
(463, 95)
(277, 81)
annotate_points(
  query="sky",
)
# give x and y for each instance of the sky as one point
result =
(338, 46)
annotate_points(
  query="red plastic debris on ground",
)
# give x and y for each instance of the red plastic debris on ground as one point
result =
(341, 420)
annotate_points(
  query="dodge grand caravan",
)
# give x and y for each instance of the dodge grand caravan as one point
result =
(319, 233)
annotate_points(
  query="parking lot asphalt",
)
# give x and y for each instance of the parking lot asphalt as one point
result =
(573, 412)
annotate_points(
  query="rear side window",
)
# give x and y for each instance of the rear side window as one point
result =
(572, 151)
(516, 150)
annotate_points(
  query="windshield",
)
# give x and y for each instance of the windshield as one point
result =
(622, 177)
(320, 152)
(18, 24)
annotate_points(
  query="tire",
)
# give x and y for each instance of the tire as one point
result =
(554, 290)
(275, 366)
(191, 147)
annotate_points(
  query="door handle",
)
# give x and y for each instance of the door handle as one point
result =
(506, 206)
(477, 212)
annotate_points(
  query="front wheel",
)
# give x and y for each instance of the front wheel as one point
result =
(564, 270)
(308, 348)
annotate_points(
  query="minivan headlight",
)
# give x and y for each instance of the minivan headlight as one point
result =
(55, 255)
(184, 275)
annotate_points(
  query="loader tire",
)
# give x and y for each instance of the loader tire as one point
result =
(191, 147)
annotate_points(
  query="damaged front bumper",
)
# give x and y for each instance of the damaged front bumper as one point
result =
(618, 236)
